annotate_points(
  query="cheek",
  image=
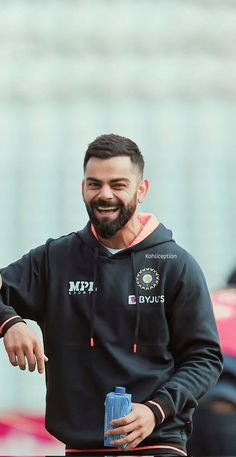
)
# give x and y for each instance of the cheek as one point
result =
(88, 195)
(129, 194)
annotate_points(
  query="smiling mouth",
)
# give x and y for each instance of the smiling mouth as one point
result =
(106, 210)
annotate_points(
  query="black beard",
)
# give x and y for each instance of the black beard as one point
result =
(106, 228)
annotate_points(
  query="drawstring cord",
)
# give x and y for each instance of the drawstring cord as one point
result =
(136, 332)
(91, 341)
(137, 321)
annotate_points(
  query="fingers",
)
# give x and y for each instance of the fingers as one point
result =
(20, 358)
(32, 356)
(22, 345)
(125, 440)
(125, 420)
(133, 444)
(30, 359)
(12, 358)
(134, 427)
(17, 359)
(40, 358)
(130, 441)
(122, 430)
(131, 432)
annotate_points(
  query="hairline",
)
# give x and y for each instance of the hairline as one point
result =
(136, 165)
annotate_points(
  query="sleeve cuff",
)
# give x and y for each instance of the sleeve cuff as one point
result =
(8, 323)
(157, 410)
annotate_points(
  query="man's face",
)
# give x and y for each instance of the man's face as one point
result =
(110, 191)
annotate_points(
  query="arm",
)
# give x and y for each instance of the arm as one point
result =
(8, 316)
(22, 285)
(197, 356)
(194, 345)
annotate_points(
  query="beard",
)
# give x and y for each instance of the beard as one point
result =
(104, 227)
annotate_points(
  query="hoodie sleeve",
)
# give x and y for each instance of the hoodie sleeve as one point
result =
(23, 292)
(194, 346)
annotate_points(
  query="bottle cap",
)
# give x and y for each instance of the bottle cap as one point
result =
(120, 390)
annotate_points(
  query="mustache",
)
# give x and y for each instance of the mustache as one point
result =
(105, 204)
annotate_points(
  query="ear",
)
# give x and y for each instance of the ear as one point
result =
(142, 190)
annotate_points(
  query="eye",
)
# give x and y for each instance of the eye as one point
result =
(119, 186)
(93, 185)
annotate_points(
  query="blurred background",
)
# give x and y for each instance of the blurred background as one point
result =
(160, 72)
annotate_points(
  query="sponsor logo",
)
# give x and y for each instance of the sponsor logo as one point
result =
(146, 299)
(131, 300)
(81, 287)
(147, 278)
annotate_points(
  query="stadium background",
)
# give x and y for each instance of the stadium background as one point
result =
(161, 72)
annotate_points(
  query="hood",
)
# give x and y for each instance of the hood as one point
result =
(158, 236)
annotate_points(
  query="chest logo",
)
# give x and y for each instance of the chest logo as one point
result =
(147, 278)
(81, 287)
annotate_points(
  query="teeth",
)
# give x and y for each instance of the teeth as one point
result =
(100, 208)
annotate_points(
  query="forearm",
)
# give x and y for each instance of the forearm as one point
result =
(8, 316)
(187, 385)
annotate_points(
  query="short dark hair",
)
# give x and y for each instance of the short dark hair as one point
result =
(110, 145)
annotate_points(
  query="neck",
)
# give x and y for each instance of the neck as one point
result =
(125, 236)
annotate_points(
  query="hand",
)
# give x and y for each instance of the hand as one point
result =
(21, 343)
(138, 425)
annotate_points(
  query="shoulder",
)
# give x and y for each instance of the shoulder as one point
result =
(64, 245)
(62, 241)
(182, 267)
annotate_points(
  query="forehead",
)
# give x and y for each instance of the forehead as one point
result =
(113, 168)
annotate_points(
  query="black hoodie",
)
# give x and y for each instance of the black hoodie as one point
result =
(141, 318)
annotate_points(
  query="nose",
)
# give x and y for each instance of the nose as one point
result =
(106, 192)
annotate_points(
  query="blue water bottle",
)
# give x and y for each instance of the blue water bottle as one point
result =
(117, 404)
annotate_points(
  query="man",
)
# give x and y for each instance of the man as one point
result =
(119, 303)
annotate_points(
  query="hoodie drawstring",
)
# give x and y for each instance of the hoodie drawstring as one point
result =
(93, 298)
(137, 320)
(136, 332)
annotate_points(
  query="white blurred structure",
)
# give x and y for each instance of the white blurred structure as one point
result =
(162, 73)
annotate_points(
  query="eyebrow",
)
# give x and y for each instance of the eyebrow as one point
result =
(112, 181)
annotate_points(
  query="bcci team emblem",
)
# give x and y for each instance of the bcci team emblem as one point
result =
(147, 278)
